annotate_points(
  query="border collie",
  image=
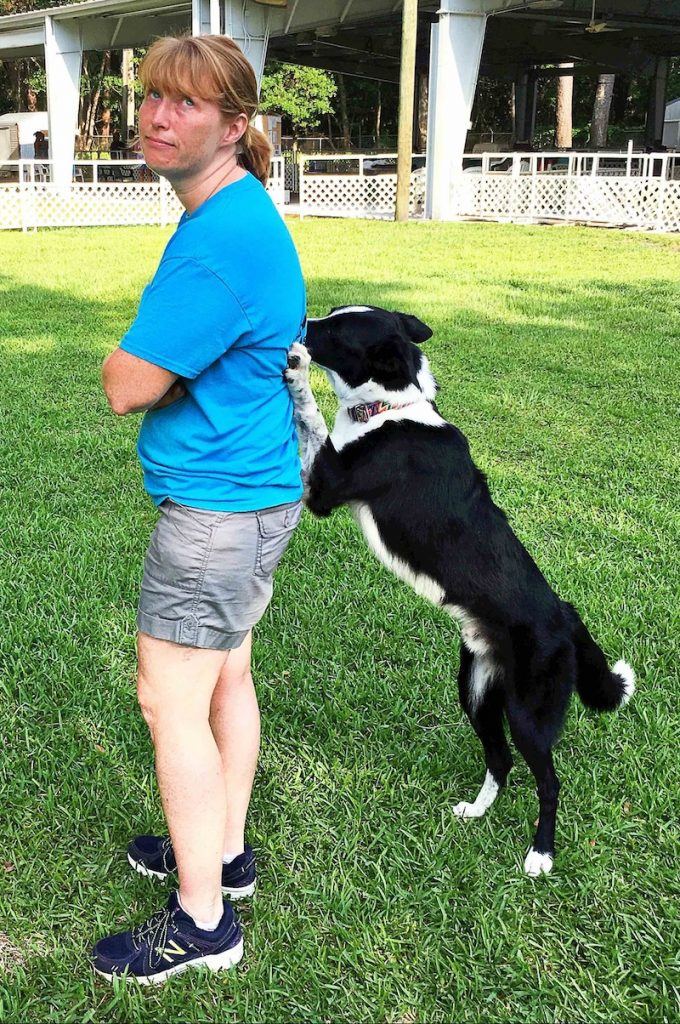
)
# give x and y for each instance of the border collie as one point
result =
(426, 512)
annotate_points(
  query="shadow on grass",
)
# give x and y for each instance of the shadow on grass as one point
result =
(365, 749)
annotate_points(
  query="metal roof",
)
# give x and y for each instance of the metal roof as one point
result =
(362, 37)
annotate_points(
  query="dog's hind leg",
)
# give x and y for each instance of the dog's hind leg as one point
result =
(483, 702)
(534, 743)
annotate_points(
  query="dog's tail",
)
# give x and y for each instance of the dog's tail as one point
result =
(598, 686)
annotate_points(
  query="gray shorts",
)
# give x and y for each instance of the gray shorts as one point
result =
(208, 575)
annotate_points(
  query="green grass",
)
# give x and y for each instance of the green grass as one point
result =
(557, 353)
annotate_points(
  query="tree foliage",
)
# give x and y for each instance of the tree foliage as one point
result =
(302, 95)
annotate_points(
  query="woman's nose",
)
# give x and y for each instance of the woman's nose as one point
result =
(161, 114)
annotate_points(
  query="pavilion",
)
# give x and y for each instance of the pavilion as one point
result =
(456, 38)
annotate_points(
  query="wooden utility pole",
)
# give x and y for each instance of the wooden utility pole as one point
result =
(407, 86)
(128, 100)
(564, 108)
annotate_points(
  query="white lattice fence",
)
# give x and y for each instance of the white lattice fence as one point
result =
(31, 204)
(652, 204)
(110, 204)
(11, 207)
(661, 205)
(357, 195)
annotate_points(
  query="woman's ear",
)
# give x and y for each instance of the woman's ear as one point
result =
(235, 130)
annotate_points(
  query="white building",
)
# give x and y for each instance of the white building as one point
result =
(26, 124)
(671, 125)
(518, 37)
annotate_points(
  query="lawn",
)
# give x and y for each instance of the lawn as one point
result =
(557, 353)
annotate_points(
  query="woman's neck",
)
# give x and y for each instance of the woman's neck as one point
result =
(194, 193)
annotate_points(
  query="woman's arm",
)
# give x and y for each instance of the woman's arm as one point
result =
(135, 385)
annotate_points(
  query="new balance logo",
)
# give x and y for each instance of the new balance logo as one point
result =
(172, 949)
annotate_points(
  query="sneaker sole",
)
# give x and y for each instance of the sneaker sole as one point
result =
(143, 870)
(235, 894)
(215, 962)
(239, 894)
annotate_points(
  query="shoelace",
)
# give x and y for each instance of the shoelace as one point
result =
(155, 929)
(166, 848)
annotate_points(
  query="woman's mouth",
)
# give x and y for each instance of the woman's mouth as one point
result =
(159, 143)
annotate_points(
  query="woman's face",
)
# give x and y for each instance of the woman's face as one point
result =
(183, 137)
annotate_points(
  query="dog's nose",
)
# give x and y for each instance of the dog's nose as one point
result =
(293, 361)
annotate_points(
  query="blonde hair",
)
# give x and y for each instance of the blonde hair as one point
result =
(211, 68)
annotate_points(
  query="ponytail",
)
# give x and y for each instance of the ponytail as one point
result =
(256, 153)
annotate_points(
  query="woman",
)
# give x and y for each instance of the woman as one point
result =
(204, 359)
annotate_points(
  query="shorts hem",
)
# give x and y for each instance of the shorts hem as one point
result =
(188, 632)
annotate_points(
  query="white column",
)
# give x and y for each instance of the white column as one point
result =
(246, 22)
(205, 18)
(456, 50)
(63, 58)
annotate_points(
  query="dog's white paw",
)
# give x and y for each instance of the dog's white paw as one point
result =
(296, 374)
(486, 796)
(465, 810)
(298, 359)
(537, 863)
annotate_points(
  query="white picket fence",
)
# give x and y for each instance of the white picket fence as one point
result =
(356, 185)
(630, 190)
(103, 192)
(636, 190)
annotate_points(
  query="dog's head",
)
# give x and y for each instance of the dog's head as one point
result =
(371, 354)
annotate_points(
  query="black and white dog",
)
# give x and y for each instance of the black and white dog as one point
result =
(426, 512)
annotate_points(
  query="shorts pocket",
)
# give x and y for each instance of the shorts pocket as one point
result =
(178, 549)
(275, 528)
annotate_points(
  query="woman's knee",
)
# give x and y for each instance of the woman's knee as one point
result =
(147, 700)
(236, 669)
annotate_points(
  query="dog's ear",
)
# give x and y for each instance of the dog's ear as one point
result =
(415, 329)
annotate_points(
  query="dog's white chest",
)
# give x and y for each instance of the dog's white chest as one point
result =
(423, 585)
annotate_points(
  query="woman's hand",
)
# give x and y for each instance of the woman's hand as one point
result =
(173, 394)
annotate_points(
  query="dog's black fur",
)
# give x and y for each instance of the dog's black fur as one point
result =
(427, 512)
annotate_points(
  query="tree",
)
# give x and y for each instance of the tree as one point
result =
(492, 110)
(601, 108)
(301, 95)
(344, 117)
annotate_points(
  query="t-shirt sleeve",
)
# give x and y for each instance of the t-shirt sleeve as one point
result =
(187, 318)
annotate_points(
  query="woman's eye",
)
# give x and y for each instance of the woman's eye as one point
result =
(154, 94)
(189, 102)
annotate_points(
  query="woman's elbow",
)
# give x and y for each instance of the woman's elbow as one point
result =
(118, 405)
(114, 395)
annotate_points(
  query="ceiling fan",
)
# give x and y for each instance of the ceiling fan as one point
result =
(595, 27)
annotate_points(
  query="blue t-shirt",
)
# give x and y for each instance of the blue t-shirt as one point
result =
(226, 303)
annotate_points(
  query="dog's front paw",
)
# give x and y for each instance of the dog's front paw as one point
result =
(537, 863)
(296, 374)
(298, 359)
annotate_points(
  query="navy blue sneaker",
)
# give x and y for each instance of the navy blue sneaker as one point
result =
(169, 943)
(153, 855)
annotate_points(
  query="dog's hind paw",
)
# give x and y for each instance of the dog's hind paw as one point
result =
(537, 863)
(465, 810)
